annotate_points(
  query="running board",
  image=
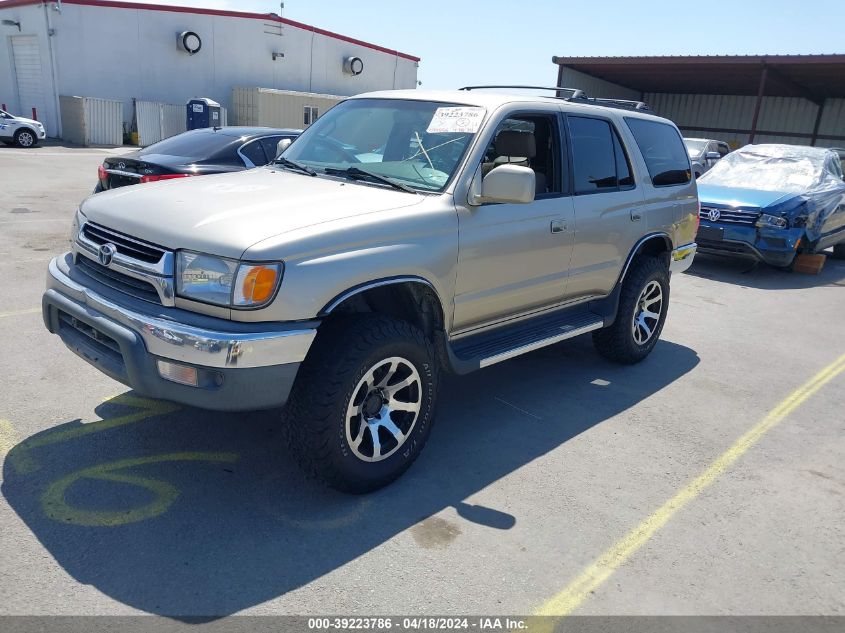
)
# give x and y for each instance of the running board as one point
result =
(483, 350)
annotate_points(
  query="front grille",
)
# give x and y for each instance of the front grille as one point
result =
(731, 216)
(737, 248)
(117, 280)
(125, 245)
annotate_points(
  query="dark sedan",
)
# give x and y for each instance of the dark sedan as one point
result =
(195, 153)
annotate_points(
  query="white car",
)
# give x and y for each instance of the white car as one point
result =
(16, 130)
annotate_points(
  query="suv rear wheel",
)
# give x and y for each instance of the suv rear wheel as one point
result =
(643, 304)
(362, 406)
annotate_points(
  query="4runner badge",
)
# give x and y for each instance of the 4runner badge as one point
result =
(106, 254)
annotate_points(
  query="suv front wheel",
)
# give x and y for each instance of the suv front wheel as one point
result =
(362, 405)
(25, 138)
(643, 303)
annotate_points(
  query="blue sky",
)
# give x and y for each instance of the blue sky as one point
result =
(498, 41)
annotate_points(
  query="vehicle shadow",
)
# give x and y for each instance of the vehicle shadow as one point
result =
(747, 272)
(183, 512)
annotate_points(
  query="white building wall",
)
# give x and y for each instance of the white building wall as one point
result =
(126, 53)
(33, 20)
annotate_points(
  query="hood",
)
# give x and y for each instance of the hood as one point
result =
(32, 122)
(226, 214)
(740, 197)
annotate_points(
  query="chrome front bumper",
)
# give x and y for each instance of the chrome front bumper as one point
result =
(239, 366)
(189, 343)
(681, 258)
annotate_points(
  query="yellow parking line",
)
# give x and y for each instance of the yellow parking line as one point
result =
(603, 567)
(19, 312)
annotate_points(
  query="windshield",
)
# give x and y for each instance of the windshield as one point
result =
(694, 147)
(766, 170)
(415, 143)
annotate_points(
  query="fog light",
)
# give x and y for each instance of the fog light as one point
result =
(182, 374)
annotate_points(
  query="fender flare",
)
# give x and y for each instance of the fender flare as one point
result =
(646, 238)
(378, 283)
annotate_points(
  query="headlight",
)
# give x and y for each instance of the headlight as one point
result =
(771, 221)
(225, 282)
(78, 221)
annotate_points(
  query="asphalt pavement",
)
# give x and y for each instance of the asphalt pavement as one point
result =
(556, 480)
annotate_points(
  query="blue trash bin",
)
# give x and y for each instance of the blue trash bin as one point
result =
(203, 112)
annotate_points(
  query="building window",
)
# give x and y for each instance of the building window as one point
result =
(310, 114)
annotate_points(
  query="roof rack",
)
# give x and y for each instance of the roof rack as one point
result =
(575, 96)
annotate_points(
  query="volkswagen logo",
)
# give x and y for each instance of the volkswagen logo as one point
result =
(713, 215)
(121, 165)
(106, 253)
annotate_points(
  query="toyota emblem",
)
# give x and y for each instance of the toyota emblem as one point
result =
(106, 253)
(713, 215)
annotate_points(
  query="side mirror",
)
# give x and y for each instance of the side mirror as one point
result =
(713, 156)
(282, 146)
(508, 183)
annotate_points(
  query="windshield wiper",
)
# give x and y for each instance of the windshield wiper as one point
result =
(286, 162)
(357, 173)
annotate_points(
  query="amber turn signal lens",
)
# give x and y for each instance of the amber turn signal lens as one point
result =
(259, 284)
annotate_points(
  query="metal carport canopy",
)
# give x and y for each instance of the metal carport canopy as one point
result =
(812, 77)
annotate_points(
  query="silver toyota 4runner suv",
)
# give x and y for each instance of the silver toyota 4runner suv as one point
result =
(403, 234)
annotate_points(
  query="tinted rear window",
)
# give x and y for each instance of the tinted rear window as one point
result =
(663, 150)
(191, 144)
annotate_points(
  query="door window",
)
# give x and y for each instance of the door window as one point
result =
(254, 153)
(530, 140)
(600, 162)
(271, 144)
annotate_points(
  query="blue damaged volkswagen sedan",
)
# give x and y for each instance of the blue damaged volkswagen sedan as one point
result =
(772, 202)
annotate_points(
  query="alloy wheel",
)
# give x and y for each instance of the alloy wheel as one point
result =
(647, 313)
(383, 409)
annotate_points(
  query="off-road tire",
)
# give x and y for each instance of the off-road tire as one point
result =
(345, 349)
(26, 138)
(616, 342)
(839, 251)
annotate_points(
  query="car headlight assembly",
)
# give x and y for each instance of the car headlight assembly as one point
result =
(78, 221)
(771, 222)
(226, 282)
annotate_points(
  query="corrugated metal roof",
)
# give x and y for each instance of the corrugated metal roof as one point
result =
(814, 77)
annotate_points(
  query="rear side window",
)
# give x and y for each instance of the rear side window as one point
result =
(599, 161)
(663, 150)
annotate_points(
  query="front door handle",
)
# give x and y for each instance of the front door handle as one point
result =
(558, 226)
(636, 215)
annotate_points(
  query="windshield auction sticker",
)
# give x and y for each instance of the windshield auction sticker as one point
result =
(459, 119)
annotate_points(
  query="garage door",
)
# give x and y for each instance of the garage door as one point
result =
(26, 57)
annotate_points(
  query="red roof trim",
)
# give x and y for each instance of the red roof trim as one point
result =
(8, 4)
